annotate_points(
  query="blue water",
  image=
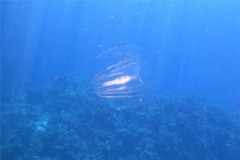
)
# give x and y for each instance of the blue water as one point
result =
(49, 55)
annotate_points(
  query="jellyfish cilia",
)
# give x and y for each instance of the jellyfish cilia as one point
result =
(120, 77)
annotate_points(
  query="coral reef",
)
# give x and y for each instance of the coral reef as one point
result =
(66, 122)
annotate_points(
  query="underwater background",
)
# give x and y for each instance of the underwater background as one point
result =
(186, 54)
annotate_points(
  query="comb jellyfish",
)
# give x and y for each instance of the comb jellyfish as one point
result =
(122, 79)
